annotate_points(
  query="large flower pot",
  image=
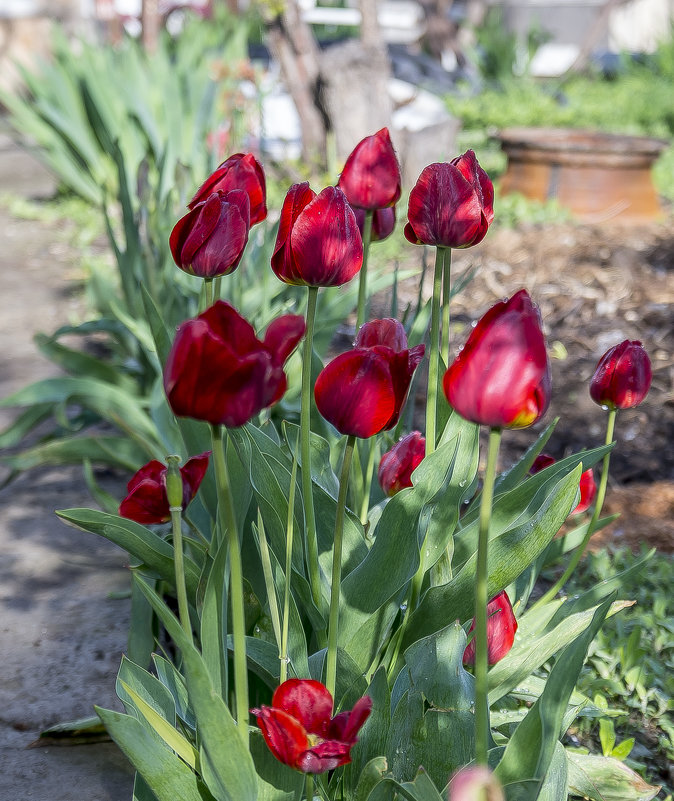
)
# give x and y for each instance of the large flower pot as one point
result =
(597, 176)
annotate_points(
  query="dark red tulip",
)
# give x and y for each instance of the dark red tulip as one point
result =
(362, 391)
(501, 378)
(501, 628)
(318, 241)
(398, 464)
(371, 176)
(300, 731)
(451, 204)
(623, 376)
(383, 222)
(210, 239)
(146, 501)
(220, 372)
(240, 171)
(587, 484)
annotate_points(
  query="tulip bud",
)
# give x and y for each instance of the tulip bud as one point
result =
(383, 222)
(240, 171)
(371, 176)
(587, 485)
(622, 377)
(398, 464)
(501, 628)
(475, 783)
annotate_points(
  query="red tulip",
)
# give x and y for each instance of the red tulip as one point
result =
(587, 484)
(451, 204)
(299, 729)
(362, 391)
(398, 464)
(383, 222)
(146, 501)
(371, 176)
(240, 171)
(501, 378)
(501, 628)
(318, 241)
(623, 376)
(218, 371)
(209, 240)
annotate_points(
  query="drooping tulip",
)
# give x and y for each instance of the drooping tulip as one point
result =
(318, 241)
(240, 171)
(362, 392)
(398, 464)
(501, 378)
(146, 500)
(371, 176)
(587, 484)
(210, 239)
(300, 731)
(451, 204)
(501, 628)
(220, 372)
(622, 377)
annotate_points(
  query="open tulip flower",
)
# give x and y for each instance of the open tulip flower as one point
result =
(451, 204)
(501, 628)
(318, 241)
(622, 377)
(220, 372)
(383, 222)
(398, 464)
(210, 239)
(300, 731)
(501, 378)
(587, 484)
(146, 501)
(362, 391)
(240, 171)
(371, 176)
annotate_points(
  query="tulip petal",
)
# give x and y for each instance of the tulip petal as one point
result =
(152, 471)
(388, 331)
(146, 503)
(221, 252)
(282, 262)
(192, 473)
(285, 736)
(324, 757)
(240, 171)
(371, 176)
(283, 336)
(204, 223)
(501, 629)
(308, 701)
(346, 725)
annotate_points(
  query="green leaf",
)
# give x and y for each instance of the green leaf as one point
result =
(623, 749)
(214, 621)
(371, 774)
(606, 735)
(175, 684)
(116, 451)
(275, 781)
(601, 778)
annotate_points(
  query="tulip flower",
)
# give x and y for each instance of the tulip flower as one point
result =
(475, 783)
(146, 501)
(362, 391)
(240, 171)
(451, 204)
(318, 241)
(300, 731)
(210, 239)
(501, 628)
(398, 464)
(587, 484)
(371, 176)
(383, 222)
(622, 377)
(220, 372)
(501, 378)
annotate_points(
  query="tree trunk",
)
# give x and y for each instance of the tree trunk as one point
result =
(150, 25)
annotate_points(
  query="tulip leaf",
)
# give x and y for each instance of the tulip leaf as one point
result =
(175, 684)
(117, 451)
(155, 554)
(600, 778)
(371, 774)
(24, 424)
(213, 630)
(275, 781)
(374, 733)
(225, 761)
(321, 470)
(132, 677)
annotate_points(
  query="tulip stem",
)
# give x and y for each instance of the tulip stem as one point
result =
(227, 520)
(309, 786)
(290, 529)
(481, 600)
(208, 292)
(369, 470)
(434, 358)
(446, 276)
(305, 449)
(601, 494)
(331, 660)
(181, 591)
(362, 286)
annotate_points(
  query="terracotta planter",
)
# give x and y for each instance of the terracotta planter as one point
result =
(597, 176)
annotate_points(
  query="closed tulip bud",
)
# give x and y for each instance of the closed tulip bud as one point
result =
(501, 628)
(383, 222)
(371, 176)
(210, 239)
(587, 484)
(318, 241)
(501, 378)
(451, 204)
(475, 783)
(240, 171)
(398, 464)
(622, 377)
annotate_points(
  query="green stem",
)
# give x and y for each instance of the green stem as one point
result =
(208, 292)
(433, 361)
(481, 600)
(592, 526)
(309, 786)
(331, 669)
(305, 449)
(369, 470)
(227, 520)
(181, 591)
(362, 286)
(290, 529)
(446, 276)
